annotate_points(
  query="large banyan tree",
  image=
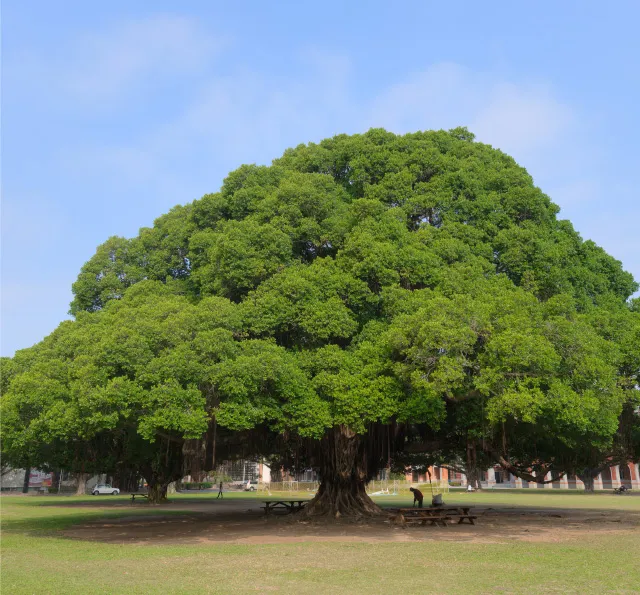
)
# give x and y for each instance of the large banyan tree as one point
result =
(360, 298)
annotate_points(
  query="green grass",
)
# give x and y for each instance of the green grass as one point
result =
(531, 498)
(503, 497)
(37, 559)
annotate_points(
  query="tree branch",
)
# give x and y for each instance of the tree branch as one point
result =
(518, 471)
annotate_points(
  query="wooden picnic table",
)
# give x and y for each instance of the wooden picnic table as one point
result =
(289, 506)
(139, 494)
(436, 515)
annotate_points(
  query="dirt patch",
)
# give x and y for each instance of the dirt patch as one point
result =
(241, 525)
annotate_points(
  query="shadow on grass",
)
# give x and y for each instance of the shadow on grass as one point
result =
(123, 501)
(48, 515)
(51, 523)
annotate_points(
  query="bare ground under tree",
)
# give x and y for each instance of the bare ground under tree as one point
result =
(243, 522)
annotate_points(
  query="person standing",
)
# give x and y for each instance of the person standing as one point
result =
(417, 496)
(220, 492)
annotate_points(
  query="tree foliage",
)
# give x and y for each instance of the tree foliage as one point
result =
(418, 285)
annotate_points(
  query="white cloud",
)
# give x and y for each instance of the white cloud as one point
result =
(128, 55)
(248, 108)
(250, 117)
(576, 192)
(247, 117)
(244, 117)
(30, 223)
(521, 118)
(241, 116)
(30, 311)
(438, 97)
(515, 117)
(130, 164)
(113, 63)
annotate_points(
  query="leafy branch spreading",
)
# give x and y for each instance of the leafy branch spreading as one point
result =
(365, 301)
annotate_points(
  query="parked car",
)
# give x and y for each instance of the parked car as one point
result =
(251, 486)
(105, 488)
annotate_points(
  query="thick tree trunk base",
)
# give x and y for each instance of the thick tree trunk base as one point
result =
(339, 500)
(157, 494)
(344, 473)
(589, 483)
(81, 488)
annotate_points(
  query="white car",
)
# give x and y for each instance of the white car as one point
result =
(105, 488)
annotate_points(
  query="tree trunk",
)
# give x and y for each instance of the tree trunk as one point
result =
(55, 482)
(159, 487)
(133, 482)
(589, 484)
(210, 448)
(343, 475)
(82, 480)
(473, 476)
(25, 482)
(157, 492)
(166, 466)
(129, 480)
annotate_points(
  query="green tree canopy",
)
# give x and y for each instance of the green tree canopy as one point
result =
(351, 291)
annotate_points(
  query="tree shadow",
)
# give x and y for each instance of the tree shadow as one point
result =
(49, 525)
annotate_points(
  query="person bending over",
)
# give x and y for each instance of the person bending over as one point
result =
(417, 496)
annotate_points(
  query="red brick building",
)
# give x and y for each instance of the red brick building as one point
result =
(612, 477)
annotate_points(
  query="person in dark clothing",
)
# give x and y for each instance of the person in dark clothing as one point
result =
(417, 496)
(220, 492)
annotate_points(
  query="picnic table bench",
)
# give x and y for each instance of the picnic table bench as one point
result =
(289, 506)
(436, 515)
(139, 494)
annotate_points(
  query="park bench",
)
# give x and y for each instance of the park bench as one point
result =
(435, 515)
(288, 506)
(622, 490)
(461, 513)
(139, 494)
(421, 516)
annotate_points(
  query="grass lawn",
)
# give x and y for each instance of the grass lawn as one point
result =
(532, 498)
(37, 558)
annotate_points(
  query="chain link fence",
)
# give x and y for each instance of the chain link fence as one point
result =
(390, 487)
(400, 487)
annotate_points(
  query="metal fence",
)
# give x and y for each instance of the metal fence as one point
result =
(399, 487)
(391, 487)
(289, 487)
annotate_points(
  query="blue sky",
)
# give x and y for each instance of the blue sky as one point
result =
(114, 112)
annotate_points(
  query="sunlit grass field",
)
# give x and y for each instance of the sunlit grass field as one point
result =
(36, 558)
